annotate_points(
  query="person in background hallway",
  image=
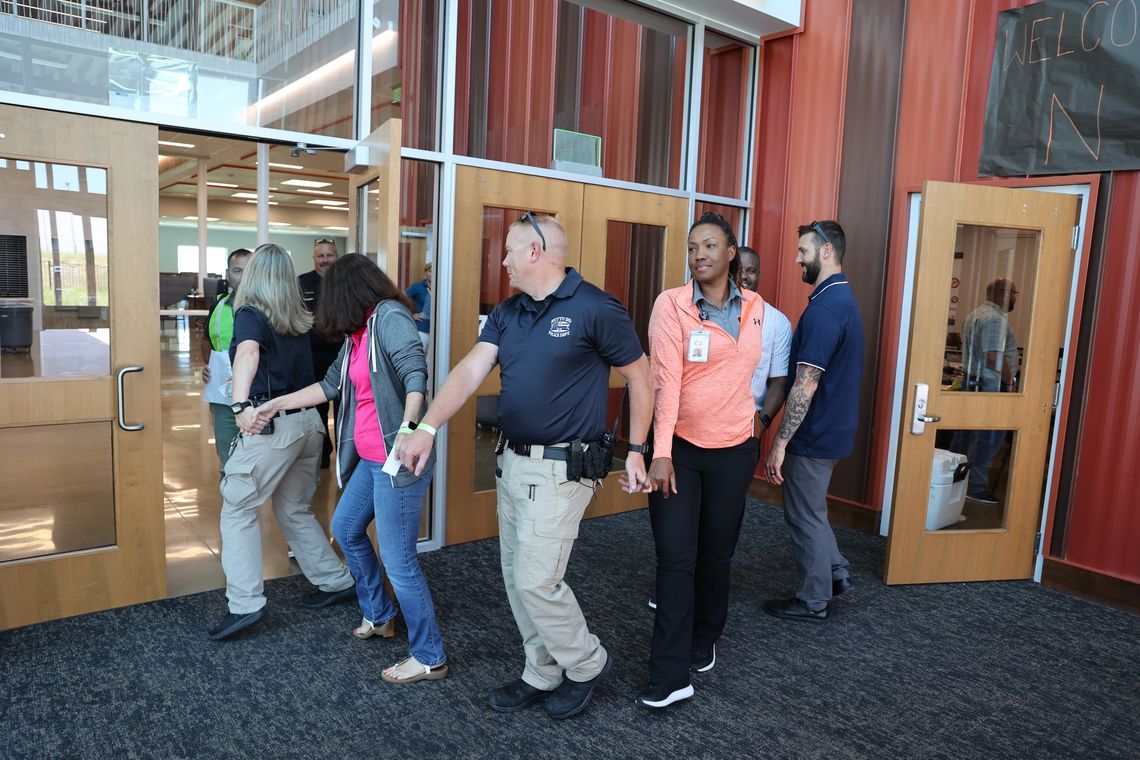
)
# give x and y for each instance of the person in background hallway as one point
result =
(820, 418)
(277, 458)
(381, 377)
(420, 293)
(555, 343)
(704, 345)
(324, 351)
(990, 363)
(219, 332)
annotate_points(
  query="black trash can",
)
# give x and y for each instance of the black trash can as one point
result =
(16, 324)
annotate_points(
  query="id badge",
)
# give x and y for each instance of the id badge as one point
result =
(699, 345)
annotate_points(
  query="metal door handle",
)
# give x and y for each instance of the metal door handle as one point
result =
(920, 418)
(119, 383)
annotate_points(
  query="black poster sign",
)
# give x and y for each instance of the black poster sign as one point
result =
(1064, 90)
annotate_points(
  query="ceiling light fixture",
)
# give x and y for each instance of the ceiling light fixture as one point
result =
(172, 144)
(337, 229)
(305, 183)
(244, 195)
(270, 203)
(222, 184)
(286, 166)
(316, 192)
(327, 203)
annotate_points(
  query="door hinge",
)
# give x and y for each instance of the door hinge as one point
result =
(1076, 237)
(1038, 541)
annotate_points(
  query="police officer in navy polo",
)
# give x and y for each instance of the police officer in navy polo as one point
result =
(555, 343)
(820, 417)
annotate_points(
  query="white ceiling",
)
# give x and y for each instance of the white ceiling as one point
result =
(231, 168)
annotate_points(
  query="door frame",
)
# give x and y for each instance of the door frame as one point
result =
(1086, 187)
(133, 569)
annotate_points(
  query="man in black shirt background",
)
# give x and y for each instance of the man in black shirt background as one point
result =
(324, 351)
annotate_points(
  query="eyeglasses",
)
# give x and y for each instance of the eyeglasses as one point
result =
(529, 216)
(322, 241)
(817, 228)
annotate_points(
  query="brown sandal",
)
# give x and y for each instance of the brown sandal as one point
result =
(367, 630)
(411, 670)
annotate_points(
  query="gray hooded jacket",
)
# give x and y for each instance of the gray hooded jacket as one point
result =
(397, 367)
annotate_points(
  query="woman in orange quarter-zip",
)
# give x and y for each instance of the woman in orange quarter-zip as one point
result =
(704, 340)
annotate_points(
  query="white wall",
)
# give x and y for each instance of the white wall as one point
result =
(299, 245)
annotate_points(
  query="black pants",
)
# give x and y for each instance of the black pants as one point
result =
(694, 531)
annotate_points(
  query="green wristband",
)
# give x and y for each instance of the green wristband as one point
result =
(405, 430)
(427, 429)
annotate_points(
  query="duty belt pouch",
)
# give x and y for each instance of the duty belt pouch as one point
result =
(575, 461)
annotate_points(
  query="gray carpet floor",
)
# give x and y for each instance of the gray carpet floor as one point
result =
(993, 670)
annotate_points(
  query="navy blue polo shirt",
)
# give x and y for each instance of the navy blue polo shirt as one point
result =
(554, 360)
(830, 336)
(285, 362)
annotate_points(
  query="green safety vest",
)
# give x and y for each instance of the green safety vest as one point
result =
(221, 325)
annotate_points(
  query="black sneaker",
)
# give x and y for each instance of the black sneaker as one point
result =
(319, 599)
(657, 697)
(703, 660)
(233, 622)
(981, 498)
(572, 697)
(841, 586)
(514, 696)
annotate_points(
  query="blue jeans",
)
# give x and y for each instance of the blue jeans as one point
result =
(370, 495)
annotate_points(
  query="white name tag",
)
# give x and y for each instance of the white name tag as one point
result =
(699, 345)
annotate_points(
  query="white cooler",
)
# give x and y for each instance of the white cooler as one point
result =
(947, 489)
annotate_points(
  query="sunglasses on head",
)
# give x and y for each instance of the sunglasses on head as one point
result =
(817, 228)
(529, 216)
(321, 241)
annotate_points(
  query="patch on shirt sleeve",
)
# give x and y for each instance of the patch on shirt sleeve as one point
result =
(560, 327)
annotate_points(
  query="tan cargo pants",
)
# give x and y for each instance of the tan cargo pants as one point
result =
(539, 512)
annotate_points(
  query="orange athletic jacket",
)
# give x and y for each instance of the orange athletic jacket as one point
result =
(708, 403)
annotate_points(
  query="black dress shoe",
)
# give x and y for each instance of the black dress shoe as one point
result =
(841, 586)
(572, 697)
(233, 622)
(515, 696)
(794, 609)
(703, 660)
(319, 599)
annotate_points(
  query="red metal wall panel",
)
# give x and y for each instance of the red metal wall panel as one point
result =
(1104, 525)
(930, 112)
(770, 181)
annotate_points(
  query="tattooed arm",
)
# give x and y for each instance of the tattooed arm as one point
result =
(796, 409)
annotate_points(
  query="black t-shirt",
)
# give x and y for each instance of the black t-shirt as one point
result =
(554, 359)
(324, 351)
(285, 363)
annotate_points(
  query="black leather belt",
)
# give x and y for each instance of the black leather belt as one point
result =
(523, 450)
(292, 411)
(263, 398)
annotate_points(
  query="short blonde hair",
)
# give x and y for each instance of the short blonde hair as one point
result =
(270, 284)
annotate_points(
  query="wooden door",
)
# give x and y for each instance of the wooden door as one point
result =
(633, 247)
(80, 428)
(486, 203)
(992, 280)
(628, 243)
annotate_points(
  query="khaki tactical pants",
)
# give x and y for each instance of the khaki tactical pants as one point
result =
(539, 512)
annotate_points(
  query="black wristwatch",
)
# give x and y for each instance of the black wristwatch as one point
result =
(240, 406)
(638, 448)
(765, 420)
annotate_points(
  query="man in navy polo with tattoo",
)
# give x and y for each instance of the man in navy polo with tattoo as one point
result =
(555, 343)
(820, 417)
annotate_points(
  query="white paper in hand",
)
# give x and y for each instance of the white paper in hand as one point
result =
(218, 390)
(391, 465)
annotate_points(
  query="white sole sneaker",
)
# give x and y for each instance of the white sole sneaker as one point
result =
(708, 667)
(675, 696)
